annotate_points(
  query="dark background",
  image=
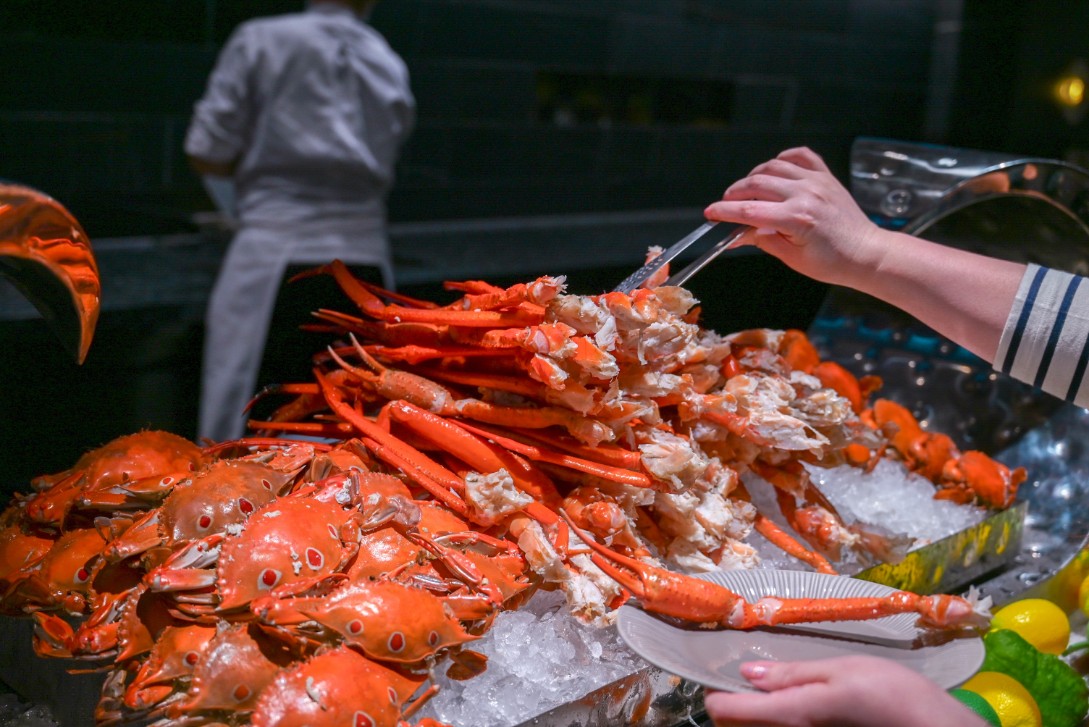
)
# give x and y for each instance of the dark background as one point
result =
(572, 118)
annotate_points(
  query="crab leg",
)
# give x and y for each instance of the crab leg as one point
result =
(46, 254)
(522, 295)
(818, 522)
(606, 472)
(373, 306)
(394, 384)
(483, 456)
(511, 384)
(443, 485)
(386, 334)
(691, 599)
(782, 540)
(415, 353)
(440, 482)
(611, 455)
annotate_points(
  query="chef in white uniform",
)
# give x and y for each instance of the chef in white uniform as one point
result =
(307, 112)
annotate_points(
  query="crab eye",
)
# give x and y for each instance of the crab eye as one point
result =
(392, 696)
(191, 658)
(164, 482)
(268, 579)
(83, 575)
(241, 693)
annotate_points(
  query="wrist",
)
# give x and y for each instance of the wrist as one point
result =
(868, 258)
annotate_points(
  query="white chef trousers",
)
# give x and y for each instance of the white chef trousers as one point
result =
(241, 305)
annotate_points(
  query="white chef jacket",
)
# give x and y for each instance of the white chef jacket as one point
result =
(314, 107)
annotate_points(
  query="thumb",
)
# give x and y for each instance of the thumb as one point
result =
(771, 676)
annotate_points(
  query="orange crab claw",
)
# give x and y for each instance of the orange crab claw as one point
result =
(47, 256)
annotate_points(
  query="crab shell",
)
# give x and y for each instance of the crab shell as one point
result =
(172, 660)
(20, 550)
(338, 687)
(384, 550)
(147, 454)
(288, 542)
(229, 675)
(217, 499)
(61, 578)
(224, 494)
(121, 474)
(362, 613)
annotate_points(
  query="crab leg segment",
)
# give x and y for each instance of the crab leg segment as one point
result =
(436, 479)
(692, 599)
(472, 449)
(393, 384)
(46, 254)
(373, 306)
(615, 474)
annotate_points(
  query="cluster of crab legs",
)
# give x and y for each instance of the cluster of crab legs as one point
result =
(514, 439)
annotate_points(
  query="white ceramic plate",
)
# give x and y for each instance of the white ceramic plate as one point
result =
(713, 658)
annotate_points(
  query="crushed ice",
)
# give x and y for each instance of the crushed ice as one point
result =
(896, 499)
(539, 657)
(16, 713)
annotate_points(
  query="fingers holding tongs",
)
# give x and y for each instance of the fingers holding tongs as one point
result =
(730, 241)
(641, 275)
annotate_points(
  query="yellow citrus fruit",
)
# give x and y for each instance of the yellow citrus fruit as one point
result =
(1038, 621)
(1012, 703)
(1083, 596)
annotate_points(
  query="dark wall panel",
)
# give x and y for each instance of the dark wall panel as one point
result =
(663, 92)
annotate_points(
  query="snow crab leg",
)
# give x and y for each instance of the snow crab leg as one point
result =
(691, 599)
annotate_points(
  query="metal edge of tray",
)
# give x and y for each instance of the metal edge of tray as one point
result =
(953, 562)
(649, 697)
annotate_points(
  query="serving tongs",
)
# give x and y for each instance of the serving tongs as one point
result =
(641, 275)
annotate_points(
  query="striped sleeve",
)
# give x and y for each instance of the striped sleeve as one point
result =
(1046, 338)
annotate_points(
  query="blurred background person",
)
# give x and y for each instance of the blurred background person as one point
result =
(307, 113)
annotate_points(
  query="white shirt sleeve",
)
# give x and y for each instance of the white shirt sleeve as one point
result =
(1046, 338)
(223, 118)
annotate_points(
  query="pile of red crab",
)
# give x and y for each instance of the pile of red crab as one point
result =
(447, 462)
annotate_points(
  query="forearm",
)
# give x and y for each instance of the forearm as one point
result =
(963, 296)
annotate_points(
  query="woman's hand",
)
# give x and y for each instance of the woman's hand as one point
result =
(803, 216)
(863, 691)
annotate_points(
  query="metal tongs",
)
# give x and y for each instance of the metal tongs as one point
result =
(641, 275)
